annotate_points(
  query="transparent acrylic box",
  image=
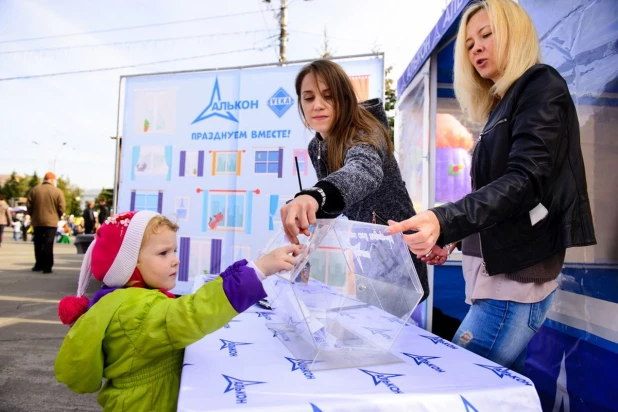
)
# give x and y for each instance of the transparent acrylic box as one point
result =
(348, 296)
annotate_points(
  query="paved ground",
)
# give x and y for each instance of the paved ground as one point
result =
(30, 332)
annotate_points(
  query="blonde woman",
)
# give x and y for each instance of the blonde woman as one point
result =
(529, 200)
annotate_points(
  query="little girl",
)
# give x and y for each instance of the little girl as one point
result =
(133, 332)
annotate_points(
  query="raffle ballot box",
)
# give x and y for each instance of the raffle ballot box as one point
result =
(348, 296)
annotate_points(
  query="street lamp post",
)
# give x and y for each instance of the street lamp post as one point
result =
(53, 163)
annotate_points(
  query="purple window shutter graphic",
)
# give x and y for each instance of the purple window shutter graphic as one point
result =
(185, 249)
(183, 161)
(280, 174)
(200, 163)
(160, 202)
(132, 205)
(215, 256)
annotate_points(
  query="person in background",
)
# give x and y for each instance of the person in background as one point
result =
(5, 216)
(16, 229)
(24, 227)
(133, 332)
(46, 205)
(353, 157)
(529, 200)
(103, 211)
(89, 220)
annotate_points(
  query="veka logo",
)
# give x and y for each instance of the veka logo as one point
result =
(380, 332)
(424, 360)
(301, 365)
(436, 340)
(265, 315)
(216, 106)
(231, 346)
(503, 372)
(284, 336)
(280, 102)
(468, 405)
(238, 386)
(384, 378)
(315, 408)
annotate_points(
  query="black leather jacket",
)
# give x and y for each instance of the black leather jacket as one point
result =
(528, 153)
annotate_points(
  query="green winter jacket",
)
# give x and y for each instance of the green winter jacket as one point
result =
(135, 338)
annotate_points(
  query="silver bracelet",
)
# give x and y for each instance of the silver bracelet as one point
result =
(322, 193)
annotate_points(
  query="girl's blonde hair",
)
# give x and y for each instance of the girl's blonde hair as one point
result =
(156, 225)
(352, 124)
(516, 49)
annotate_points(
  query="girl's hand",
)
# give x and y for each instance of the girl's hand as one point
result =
(298, 215)
(436, 255)
(279, 259)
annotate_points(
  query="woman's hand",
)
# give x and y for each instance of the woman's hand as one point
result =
(298, 215)
(279, 259)
(426, 225)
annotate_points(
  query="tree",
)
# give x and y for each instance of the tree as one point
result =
(390, 98)
(326, 51)
(72, 196)
(33, 181)
(14, 187)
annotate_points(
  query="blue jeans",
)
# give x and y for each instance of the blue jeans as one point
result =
(499, 330)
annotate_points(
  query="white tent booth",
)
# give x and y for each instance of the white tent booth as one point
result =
(575, 354)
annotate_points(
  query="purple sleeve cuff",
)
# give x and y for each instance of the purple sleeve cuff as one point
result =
(242, 286)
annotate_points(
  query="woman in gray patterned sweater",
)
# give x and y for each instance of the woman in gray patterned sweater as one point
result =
(353, 157)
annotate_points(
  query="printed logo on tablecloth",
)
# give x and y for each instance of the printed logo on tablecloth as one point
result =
(238, 387)
(280, 333)
(380, 332)
(468, 405)
(301, 365)
(393, 319)
(315, 408)
(280, 102)
(227, 325)
(231, 346)
(424, 360)
(265, 315)
(503, 372)
(438, 340)
(384, 378)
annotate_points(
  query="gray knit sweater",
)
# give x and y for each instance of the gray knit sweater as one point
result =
(369, 184)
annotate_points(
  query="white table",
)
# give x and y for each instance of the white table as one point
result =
(243, 366)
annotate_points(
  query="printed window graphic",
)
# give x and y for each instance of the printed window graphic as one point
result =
(148, 161)
(191, 163)
(269, 161)
(147, 200)
(361, 86)
(199, 257)
(228, 210)
(182, 208)
(274, 218)
(303, 161)
(226, 162)
(155, 111)
(328, 265)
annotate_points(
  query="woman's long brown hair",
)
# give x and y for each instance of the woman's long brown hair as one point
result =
(352, 124)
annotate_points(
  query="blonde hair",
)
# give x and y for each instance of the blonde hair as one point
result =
(156, 225)
(516, 49)
(353, 124)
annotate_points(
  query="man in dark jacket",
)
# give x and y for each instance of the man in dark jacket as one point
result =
(89, 220)
(103, 211)
(46, 205)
